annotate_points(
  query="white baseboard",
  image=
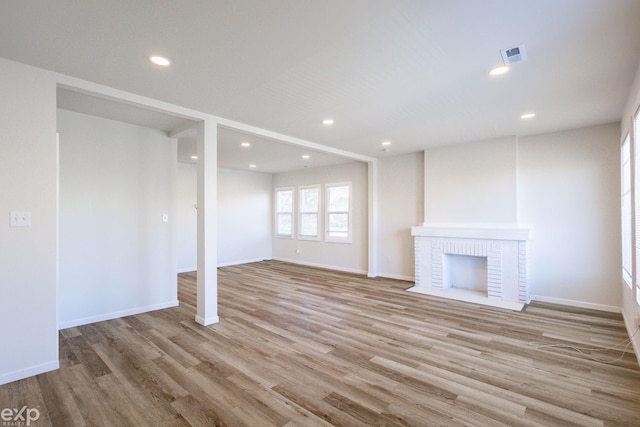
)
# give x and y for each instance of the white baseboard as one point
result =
(397, 277)
(245, 261)
(324, 266)
(579, 304)
(223, 264)
(29, 372)
(207, 321)
(116, 314)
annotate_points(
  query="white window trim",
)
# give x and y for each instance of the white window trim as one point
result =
(277, 213)
(349, 238)
(626, 188)
(318, 213)
(634, 145)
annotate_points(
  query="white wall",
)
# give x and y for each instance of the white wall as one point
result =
(401, 202)
(117, 255)
(564, 185)
(244, 217)
(569, 191)
(351, 257)
(471, 183)
(187, 217)
(28, 182)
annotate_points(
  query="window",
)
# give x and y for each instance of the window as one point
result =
(309, 212)
(338, 219)
(636, 174)
(284, 212)
(626, 211)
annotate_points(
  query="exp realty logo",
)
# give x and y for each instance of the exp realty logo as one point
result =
(19, 417)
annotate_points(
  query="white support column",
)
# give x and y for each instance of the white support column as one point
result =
(424, 187)
(207, 305)
(372, 169)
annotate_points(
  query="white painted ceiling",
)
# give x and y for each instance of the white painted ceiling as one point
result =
(412, 72)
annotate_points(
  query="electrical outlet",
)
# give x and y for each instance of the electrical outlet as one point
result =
(20, 219)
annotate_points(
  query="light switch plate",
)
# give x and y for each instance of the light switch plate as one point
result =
(165, 217)
(20, 219)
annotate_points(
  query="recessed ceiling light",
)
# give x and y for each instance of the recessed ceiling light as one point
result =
(160, 60)
(499, 70)
(194, 157)
(305, 156)
(327, 122)
(386, 143)
(252, 166)
(246, 144)
(528, 116)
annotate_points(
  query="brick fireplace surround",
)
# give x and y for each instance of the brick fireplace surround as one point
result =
(506, 251)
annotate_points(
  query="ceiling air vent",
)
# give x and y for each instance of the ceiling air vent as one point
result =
(513, 55)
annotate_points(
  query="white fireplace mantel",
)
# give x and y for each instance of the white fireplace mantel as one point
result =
(506, 250)
(489, 232)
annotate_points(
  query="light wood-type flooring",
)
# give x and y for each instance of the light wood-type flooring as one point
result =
(298, 346)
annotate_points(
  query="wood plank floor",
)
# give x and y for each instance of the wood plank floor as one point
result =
(298, 346)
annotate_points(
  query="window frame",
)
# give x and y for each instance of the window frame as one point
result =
(333, 239)
(278, 213)
(626, 211)
(634, 146)
(317, 212)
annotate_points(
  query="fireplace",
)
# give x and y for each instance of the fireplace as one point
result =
(506, 251)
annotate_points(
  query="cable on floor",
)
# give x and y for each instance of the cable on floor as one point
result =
(583, 350)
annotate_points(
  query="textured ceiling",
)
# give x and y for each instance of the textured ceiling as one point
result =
(412, 72)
